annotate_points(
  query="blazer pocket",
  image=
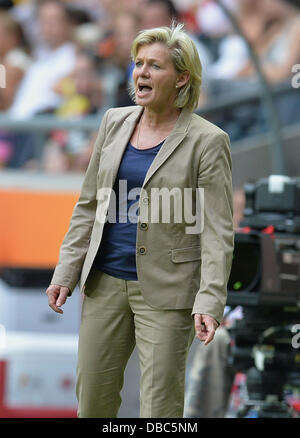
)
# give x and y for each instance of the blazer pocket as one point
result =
(190, 254)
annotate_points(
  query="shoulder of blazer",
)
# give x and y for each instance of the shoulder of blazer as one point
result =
(120, 114)
(208, 136)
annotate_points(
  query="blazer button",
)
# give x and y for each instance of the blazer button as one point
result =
(142, 250)
(144, 226)
(146, 201)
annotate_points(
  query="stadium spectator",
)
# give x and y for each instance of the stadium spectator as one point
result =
(232, 51)
(36, 94)
(211, 20)
(110, 9)
(272, 28)
(273, 31)
(14, 60)
(126, 26)
(82, 96)
(26, 14)
(14, 57)
(277, 42)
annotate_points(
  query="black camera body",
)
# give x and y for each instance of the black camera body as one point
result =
(266, 263)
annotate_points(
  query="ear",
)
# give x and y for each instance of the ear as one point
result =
(182, 79)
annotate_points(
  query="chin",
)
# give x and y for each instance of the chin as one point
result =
(142, 102)
(139, 101)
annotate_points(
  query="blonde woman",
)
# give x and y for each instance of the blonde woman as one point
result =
(149, 279)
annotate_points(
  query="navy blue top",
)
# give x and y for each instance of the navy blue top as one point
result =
(116, 254)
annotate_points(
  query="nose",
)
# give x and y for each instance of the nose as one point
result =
(144, 71)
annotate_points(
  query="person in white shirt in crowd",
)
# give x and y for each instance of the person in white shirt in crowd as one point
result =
(232, 52)
(14, 57)
(14, 61)
(36, 94)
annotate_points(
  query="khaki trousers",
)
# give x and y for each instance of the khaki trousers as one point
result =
(114, 319)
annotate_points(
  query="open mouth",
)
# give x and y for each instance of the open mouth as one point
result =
(143, 90)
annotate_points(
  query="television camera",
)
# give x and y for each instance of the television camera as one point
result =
(265, 281)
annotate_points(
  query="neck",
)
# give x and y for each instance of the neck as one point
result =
(156, 119)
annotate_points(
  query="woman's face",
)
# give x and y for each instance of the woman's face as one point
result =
(155, 77)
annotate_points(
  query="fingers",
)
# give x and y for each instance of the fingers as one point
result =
(62, 298)
(57, 296)
(210, 333)
(205, 327)
(198, 325)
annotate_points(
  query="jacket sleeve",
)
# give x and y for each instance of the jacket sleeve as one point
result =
(217, 237)
(76, 241)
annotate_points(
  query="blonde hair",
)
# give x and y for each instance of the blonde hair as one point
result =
(184, 56)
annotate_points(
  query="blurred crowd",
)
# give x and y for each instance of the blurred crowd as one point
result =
(72, 58)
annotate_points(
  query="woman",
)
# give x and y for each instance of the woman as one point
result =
(14, 62)
(143, 279)
(14, 56)
(276, 44)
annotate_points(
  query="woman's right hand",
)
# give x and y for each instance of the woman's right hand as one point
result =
(57, 296)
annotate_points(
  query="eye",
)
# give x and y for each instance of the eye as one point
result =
(138, 63)
(157, 67)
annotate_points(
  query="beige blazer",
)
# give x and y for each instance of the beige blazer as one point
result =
(176, 269)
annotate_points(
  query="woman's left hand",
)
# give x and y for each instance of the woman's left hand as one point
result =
(205, 327)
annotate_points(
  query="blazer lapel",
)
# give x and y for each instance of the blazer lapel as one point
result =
(172, 141)
(121, 140)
